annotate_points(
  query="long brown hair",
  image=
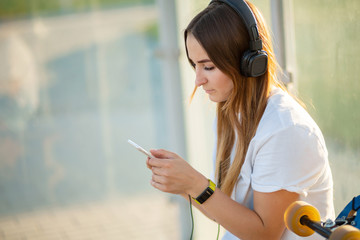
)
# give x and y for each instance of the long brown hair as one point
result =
(223, 35)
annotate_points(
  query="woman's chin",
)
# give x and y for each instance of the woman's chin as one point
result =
(216, 98)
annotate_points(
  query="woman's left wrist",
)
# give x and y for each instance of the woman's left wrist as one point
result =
(197, 189)
(206, 193)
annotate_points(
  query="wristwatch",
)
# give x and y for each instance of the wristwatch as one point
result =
(206, 193)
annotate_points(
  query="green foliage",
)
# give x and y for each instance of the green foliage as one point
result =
(25, 8)
(152, 31)
(10, 8)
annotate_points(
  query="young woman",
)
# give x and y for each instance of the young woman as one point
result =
(269, 151)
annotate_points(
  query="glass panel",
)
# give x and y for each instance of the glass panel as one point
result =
(328, 60)
(77, 79)
(264, 7)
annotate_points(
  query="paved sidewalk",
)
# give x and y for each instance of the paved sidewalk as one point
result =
(149, 217)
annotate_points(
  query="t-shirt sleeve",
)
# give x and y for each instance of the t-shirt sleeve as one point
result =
(292, 159)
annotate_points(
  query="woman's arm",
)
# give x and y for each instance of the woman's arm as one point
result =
(172, 174)
(198, 206)
(266, 221)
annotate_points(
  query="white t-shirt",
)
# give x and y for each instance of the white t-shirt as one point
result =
(287, 152)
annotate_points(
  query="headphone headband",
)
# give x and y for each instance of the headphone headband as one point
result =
(244, 11)
(254, 61)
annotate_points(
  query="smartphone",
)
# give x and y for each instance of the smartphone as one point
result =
(140, 148)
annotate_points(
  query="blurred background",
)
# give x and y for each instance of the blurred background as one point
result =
(80, 77)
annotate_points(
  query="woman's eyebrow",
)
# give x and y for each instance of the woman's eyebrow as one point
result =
(204, 61)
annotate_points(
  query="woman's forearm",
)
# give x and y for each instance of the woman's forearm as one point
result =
(198, 206)
(264, 222)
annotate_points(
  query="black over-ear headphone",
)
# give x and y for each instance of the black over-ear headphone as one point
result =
(254, 61)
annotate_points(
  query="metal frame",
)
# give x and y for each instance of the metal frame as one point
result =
(284, 40)
(169, 54)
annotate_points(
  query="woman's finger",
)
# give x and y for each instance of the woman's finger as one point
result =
(160, 186)
(157, 171)
(158, 162)
(156, 185)
(147, 163)
(158, 179)
(161, 153)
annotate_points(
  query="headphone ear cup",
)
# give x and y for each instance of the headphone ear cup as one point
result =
(244, 65)
(253, 63)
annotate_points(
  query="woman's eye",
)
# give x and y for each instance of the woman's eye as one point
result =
(209, 68)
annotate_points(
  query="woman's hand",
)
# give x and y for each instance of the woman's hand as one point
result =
(172, 174)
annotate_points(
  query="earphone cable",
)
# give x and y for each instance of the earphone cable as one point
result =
(192, 222)
(192, 218)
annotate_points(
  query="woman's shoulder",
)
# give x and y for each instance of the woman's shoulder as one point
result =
(284, 112)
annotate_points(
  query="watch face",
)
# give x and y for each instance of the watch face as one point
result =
(207, 193)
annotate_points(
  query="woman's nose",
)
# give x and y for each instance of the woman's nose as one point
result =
(200, 79)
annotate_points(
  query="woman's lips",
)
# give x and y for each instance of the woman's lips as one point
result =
(209, 91)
